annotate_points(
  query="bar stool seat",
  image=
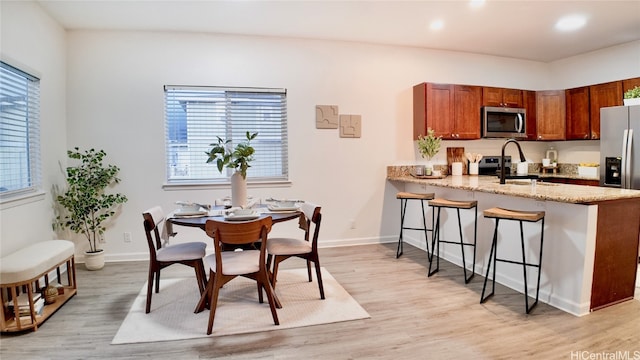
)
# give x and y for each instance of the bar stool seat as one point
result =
(435, 242)
(404, 197)
(520, 216)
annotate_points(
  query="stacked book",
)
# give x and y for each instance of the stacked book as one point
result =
(23, 305)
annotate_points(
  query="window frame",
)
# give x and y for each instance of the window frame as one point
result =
(241, 111)
(16, 82)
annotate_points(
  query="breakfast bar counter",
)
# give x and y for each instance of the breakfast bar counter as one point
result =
(575, 194)
(591, 235)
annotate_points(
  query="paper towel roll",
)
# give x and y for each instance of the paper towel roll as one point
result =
(456, 168)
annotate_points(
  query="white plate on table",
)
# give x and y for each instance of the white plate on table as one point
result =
(233, 217)
(190, 213)
(276, 208)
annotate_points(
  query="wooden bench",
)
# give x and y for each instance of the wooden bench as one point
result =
(23, 271)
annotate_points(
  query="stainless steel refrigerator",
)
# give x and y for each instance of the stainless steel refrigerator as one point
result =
(620, 147)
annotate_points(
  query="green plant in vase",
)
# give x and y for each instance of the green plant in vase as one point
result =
(237, 158)
(632, 93)
(429, 146)
(632, 96)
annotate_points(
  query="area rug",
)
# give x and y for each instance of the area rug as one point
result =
(172, 316)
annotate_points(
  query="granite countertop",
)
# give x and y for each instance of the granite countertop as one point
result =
(576, 194)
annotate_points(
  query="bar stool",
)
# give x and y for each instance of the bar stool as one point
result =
(521, 216)
(452, 204)
(404, 197)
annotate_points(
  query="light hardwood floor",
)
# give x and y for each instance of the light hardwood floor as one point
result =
(412, 317)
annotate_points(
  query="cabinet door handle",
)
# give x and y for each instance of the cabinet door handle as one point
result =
(586, 136)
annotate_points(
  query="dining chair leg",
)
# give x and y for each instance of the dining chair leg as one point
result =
(319, 276)
(205, 296)
(264, 280)
(260, 298)
(201, 276)
(309, 269)
(157, 281)
(274, 274)
(213, 302)
(149, 290)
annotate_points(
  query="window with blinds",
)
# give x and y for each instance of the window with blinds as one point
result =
(196, 116)
(19, 132)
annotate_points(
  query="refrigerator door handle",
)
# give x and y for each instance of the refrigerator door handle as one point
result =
(627, 163)
(623, 161)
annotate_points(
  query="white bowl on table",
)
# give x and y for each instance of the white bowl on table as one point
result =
(189, 208)
(243, 212)
(285, 204)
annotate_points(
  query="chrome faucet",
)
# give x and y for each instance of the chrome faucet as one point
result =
(522, 158)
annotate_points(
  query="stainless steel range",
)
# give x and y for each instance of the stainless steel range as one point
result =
(490, 165)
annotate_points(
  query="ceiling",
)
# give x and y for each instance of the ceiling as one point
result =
(511, 28)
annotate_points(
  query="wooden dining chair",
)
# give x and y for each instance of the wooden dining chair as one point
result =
(280, 249)
(160, 256)
(224, 266)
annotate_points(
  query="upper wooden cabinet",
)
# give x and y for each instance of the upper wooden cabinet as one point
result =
(550, 115)
(529, 99)
(467, 101)
(492, 96)
(630, 84)
(603, 95)
(452, 111)
(578, 114)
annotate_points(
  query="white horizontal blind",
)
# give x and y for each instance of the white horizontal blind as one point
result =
(19, 132)
(196, 116)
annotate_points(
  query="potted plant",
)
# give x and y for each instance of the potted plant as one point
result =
(632, 96)
(238, 159)
(87, 205)
(429, 146)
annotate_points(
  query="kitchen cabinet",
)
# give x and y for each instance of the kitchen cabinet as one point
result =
(560, 180)
(603, 95)
(529, 99)
(452, 111)
(628, 84)
(593, 260)
(492, 96)
(550, 115)
(578, 116)
(467, 104)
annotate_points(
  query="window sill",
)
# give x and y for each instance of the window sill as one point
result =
(225, 185)
(21, 199)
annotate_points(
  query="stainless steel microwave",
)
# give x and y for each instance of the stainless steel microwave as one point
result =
(504, 122)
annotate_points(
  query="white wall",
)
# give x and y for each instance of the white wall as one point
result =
(610, 64)
(114, 101)
(33, 42)
(115, 82)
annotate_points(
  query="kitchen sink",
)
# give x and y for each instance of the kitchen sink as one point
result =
(526, 182)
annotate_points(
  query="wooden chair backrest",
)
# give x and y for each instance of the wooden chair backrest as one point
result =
(310, 214)
(153, 217)
(238, 233)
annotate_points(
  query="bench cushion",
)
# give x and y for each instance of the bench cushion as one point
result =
(34, 260)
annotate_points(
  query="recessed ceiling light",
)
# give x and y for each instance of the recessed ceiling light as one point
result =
(476, 3)
(571, 22)
(436, 25)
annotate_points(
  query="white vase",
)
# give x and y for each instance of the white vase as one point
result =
(633, 101)
(428, 169)
(238, 190)
(94, 260)
(473, 168)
